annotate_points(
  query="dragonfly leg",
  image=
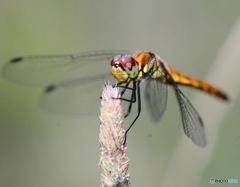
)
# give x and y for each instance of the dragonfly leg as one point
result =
(125, 87)
(136, 85)
(131, 100)
(135, 97)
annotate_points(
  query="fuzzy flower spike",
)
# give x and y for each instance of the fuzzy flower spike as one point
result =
(113, 160)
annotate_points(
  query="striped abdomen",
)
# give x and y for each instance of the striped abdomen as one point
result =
(182, 79)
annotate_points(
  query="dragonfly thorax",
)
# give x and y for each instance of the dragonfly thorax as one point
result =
(124, 68)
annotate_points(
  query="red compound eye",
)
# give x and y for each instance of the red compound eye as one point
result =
(124, 60)
(128, 61)
(117, 58)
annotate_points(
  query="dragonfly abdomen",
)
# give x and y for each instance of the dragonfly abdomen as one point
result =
(185, 80)
(207, 87)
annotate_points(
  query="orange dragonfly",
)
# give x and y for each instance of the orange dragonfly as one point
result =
(59, 73)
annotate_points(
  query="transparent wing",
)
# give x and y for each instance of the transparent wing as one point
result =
(45, 70)
(79, 96)
(73, 82)
(156, 96)
(192, 123)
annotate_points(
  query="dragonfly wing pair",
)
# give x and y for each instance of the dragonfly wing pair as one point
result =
(72, 82)
(156, 92)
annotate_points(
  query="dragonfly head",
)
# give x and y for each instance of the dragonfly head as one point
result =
(124, 67)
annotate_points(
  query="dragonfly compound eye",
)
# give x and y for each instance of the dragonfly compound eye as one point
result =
(124, 61)
(130, 66)
(127, 61)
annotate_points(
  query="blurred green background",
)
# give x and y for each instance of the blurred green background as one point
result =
(41, 149)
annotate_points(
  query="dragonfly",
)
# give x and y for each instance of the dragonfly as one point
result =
(77, 75)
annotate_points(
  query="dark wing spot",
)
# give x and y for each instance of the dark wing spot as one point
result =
(50, 88)
(17, 59)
